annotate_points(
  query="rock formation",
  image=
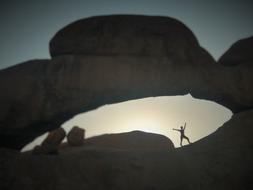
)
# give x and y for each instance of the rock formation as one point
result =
(109, 59)
(54, 137)
(126, 35)
(239, 61)
(240, 53)
(51, 143)
(130, 141)
(50, 150)
(220, 161)
(102, 60)
(76, 136)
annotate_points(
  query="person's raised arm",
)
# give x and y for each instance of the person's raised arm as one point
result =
(184, 125)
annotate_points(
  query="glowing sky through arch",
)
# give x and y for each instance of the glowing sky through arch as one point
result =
(155, 115)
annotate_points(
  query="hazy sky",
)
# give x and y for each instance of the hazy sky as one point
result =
(28, 26)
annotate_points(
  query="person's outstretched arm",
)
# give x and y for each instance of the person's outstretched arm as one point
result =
(176, 129)
(184, 125)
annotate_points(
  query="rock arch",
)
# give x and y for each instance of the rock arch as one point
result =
(108, 59)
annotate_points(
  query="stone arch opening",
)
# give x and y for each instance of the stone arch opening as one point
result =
(153, 114)
(84, 74)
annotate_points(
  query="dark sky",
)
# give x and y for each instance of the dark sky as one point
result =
(27, 26)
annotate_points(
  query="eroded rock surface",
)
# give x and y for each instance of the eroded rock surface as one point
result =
(220, 161)
(129, 141)
(51, 143)
(240, 53)
(114, 66)
(54, 137)
(126, 35)
(75, 136)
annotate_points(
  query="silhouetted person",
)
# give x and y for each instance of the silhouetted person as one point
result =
(182, 136)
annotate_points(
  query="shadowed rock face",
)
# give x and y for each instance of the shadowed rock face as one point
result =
(130, 141)
(75, 136)
(239, 58)
(55, 137)
(118, 64)
(51, 142)
(220, 161)
(240, 53)
(125, 35)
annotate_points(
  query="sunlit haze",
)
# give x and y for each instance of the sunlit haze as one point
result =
(156, 115)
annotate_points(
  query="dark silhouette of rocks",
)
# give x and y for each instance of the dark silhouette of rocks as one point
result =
(131, 141)
(240, 53)
(110, 59)
(54, 137)
(220, 161)
(51, 143)
(76, 136)
(103, 60)
(239, 61)
(126, 35)
(46, 149)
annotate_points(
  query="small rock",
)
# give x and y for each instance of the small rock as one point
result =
(51, 143)
(76, 136)
(54, 137)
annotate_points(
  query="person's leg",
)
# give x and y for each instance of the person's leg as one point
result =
(187, 139)
(181, 140)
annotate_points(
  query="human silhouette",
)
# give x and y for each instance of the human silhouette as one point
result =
(182, 136)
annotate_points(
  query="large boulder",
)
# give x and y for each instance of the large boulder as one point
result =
(75, 136)
(46, 150)
(134, 140)
(39, 96)
(239, 53)
(54, 137)
(238, 60)
(51, 143)
(125, 35)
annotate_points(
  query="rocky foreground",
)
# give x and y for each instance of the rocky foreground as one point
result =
(222, 160)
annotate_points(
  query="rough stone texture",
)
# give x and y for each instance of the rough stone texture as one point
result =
(51, 143)
(76, 136)
(240, 53)
(125, 35)
(46, 149)
(239, 58)
(40, 95)
(55, 137)
(220, 161)
(134, 140)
